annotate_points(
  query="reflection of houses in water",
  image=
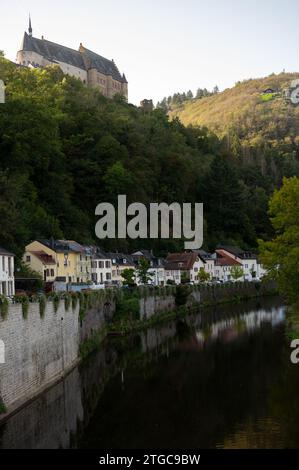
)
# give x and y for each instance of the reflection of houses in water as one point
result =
(231, 328)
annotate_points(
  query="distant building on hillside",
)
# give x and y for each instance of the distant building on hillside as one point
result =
(147, 105)
(89, 67)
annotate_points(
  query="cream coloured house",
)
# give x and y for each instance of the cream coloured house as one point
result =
(42, 263)
(120, 262)
(72, 260)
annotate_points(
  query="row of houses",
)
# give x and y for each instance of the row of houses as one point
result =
(65, 263)
(69, 262)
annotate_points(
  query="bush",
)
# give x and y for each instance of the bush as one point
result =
(3, 307)
(24, 300)
(181, 295)
(42, 305)
(128, 309)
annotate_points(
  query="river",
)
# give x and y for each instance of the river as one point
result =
(222, 378)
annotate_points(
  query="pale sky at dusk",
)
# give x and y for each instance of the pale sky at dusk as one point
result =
(165, 46)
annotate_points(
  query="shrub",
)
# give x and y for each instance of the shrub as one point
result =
(24, 300)
(42, 305)
(181, 295)
(3, 307)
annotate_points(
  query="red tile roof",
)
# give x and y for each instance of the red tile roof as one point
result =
(224, 260)
(43, 257)
(182, 261)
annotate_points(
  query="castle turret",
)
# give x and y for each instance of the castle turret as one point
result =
(30, 27)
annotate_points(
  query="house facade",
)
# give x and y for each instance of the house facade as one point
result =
(247, 259)
(120, 262)
(72, 260)
(7, 280)
(172, 274)
(42, 263)
(101, 267)
(156, 269)
(223, 267)
(188, 263)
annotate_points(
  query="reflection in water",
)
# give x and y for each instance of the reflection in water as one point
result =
(221, 378)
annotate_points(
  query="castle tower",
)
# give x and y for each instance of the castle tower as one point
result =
(30, 27)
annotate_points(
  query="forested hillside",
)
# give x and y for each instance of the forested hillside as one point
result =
(256, 125)
(64, 148)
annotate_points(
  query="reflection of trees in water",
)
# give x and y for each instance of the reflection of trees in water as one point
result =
(192, 398)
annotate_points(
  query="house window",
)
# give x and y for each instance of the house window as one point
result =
(108, 264)
(246, 266)
(52, 272)
(28, 259)
(9, 267)
(108, 276)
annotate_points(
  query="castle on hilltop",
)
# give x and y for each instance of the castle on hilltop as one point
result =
(91, 68)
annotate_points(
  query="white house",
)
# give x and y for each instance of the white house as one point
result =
(101, 267)
(248, 261)
(7, 280)
(172, 274)
(156, 269)
(223, 267)
(188, 263)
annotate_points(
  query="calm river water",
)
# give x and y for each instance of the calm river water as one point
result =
(219, 379)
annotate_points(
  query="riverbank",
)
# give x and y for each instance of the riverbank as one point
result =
(184, 302)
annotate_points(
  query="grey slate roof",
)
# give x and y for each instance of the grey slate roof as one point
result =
(5, 252)
(121, 259)
(84, 60)
(52, 51)
(63, 246)
(236, 251)
(105, 66)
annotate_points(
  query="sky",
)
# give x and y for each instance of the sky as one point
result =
(166, 46)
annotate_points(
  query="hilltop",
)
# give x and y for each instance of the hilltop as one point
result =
(247, 118)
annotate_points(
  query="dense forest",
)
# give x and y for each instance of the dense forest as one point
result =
(64, 148)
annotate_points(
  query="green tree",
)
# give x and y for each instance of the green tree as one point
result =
(281, 254)
(203, 276)
(142, 271)
(237, 272)
(128, 276)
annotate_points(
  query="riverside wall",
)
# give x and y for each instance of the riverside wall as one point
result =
(41, 349)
